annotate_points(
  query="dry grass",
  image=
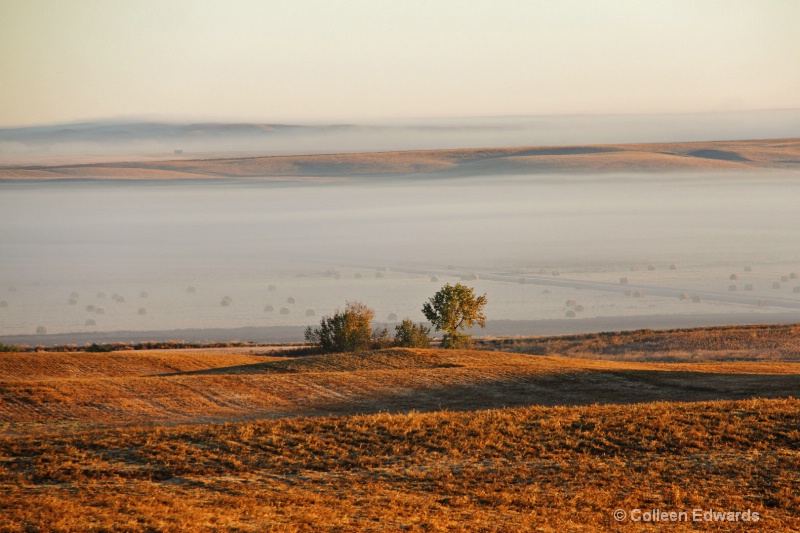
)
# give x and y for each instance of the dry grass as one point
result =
(424, 440)
(722, 155)
(523, 469)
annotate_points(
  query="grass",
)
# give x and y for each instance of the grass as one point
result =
(224, 439)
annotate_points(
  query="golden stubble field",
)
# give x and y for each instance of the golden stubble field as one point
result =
(407, 440)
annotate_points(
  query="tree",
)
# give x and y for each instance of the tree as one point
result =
(452, 309)
(411, 335)
(348, 331)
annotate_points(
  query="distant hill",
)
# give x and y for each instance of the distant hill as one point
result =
(699, 156)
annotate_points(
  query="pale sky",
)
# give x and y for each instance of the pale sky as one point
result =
(351, 60)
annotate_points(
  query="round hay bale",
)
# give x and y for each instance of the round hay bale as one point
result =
(143, 294)
(383, 269)
(628, 293)
(673, 266)
(684, 296)
(634, 268)
(3, 303)
(268, 309)
(379, 274)
(272, 288)
(101, 294)
(696, 299)
(651, 268)
(570, 314)
(794, 275)
(763, 303)
(732, 288)
(571, 303)
(785, 279)
(734, 277)
(796, 289)
(72, 301)
(191, 290)
(776, 285)
(337, 275)
(226, 301)
(74, 294)
(392, 317)
(310, 312)
(90, 308)
(434, 279)
(748, 269)
(290, 300)
(358, 275)
(41, 330)
(638, 294)
(546, 291)
(12, 289)
(285, 311)
(556, 273)
(748, 287)
(100, 311)
(90, 322)
(579, 308)
(623, 281)
(521, 281)
(142, 311)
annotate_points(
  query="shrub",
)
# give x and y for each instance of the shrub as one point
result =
(346, 331)
(411, 335)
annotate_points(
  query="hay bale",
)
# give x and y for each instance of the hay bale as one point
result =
(90, 308)
(570, 314)
(290, 300)
(732, 288)
(748, 287)
(310, 312)
(101, 294)
(358, 275)
(12, 289)
(272, 288)
(776, 285)
(191, 290)
(623, 281)
(634, 268)
(100, 311)
(284, 311)
(651, 268)
(74, 294)
(785, 279)
(748, 269)
(763, 303)
(546, 291)
(673, 266)
(628, 293)
(521, 281)
(556, 273)
(796, 289)
(379, 274)
(571, 303)
(72, 301)
(143, 294)
(268, 309)
(3, 303)
(90, 322)
(434, 279)
(41, 330)
(696, 299)
(734, 277)
(638, 294)
(684, 296)
(392, 317)
(226, 301)
(794, 275)
(579, 308)
(142, 311)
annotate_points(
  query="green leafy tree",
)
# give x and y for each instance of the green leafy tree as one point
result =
(452, 309)
(411, 335)
(346, 331)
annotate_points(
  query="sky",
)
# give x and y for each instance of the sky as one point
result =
(322, 61)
